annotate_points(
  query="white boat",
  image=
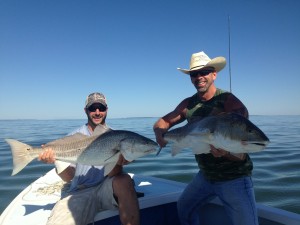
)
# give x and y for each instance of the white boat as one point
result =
(158, 205)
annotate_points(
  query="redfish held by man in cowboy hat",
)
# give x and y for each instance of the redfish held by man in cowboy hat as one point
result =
(221, 173)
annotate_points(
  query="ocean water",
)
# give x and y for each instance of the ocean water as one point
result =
(276, 174)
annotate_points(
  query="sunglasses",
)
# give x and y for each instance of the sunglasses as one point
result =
(200, 73)
(94, 107)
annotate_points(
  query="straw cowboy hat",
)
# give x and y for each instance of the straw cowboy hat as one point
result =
(201, 61)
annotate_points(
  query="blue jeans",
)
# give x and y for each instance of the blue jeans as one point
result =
(236, 195)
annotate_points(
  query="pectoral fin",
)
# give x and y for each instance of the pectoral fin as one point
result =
(109, 167)
(175, 149)
(61, 166)
(201, 148)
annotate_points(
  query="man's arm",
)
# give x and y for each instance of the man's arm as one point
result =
(166, 122)
(118, 169)
(233, 104)
(68, 174)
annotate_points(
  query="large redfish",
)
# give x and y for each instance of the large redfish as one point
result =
(97, 150)
(229, 131)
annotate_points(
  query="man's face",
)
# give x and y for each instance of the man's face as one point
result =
(96, 114)
(203, 79)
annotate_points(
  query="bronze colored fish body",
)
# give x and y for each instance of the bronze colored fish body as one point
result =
(103, 149)
(131, 145)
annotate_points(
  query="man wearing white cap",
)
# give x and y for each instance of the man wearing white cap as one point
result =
(221, 173)
(90, 191)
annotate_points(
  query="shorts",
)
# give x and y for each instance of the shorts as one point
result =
(80, 207)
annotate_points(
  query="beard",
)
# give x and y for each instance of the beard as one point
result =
(202, 89)
(95, 120)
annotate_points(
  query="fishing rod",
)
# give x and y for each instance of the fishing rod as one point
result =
(229, 47)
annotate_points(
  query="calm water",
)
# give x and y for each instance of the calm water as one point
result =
(276, 173)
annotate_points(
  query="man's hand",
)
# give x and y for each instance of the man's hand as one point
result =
(159, 137)
(118, 169)
(122, 161)
(47, 156)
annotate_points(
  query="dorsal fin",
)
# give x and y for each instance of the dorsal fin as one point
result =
(100, 129)
(71, 138)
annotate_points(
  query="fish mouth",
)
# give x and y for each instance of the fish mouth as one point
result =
(263, 144)
(260, 144)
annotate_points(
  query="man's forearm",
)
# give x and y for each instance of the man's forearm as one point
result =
(68, 174)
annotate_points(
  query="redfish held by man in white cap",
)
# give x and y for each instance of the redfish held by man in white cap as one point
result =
(99, 149)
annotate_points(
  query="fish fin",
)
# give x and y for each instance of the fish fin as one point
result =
(20, 153)
(115, 156)
(61, 166)
(175, 149)
(201, 148)
(109, 167)
(100, 129)
(70, 138)
(125, 147)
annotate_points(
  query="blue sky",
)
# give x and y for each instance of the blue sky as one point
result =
(54, 53)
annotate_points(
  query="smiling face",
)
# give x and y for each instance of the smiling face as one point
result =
(96, 114)
(203, 79)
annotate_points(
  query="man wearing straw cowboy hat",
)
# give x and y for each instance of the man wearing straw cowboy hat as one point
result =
(221, 174)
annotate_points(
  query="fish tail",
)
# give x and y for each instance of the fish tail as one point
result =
(20, 153)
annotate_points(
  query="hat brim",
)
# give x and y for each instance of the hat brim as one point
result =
(99, 102)
(218, 63)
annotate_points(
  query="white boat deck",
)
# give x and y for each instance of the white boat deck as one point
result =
(34, 204)
(154, 189)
